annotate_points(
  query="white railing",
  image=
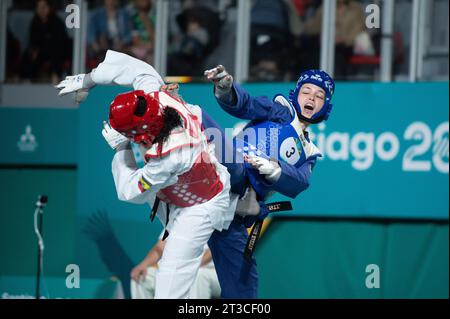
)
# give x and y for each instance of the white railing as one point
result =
(80, 40)
(161, 36)
(387, 41)
(327, 38)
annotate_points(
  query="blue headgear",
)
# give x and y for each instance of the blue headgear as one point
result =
(321, 79)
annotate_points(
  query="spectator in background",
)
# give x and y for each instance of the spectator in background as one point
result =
(296, 60)
(48, 46)
(270, 38)
(349, 23)
(12, 56)
(200, 27)
(143, 275)
(109, 28)
(143, 17)
(306, 8)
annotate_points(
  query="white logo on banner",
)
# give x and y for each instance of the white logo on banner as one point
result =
(27, 142)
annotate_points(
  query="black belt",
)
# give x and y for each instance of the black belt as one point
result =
(166, 233)
(154, 208)
(256, 229)
(153, 213)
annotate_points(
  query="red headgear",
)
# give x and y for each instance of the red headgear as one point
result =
(137, 116)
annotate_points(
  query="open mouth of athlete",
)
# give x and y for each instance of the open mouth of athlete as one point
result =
(309, 106)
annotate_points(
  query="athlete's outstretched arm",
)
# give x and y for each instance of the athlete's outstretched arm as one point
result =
(117, 68)
(122, 69)
(248, 107)
(236, 101)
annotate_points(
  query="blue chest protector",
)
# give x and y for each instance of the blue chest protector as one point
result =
(272, 140)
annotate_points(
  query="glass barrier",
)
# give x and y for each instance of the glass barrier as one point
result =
(435, 64)
(357, 49)
(202, 34)
(402, 39)
(125, 26)
(38, 45)
(435, 44)
(284, 39)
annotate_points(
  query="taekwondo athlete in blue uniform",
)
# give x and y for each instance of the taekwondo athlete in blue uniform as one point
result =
(272, 154)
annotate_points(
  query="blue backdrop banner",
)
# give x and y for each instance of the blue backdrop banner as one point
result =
(385, 150)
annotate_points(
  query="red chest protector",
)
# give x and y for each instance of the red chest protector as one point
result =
(196, 186)
(202, 182)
